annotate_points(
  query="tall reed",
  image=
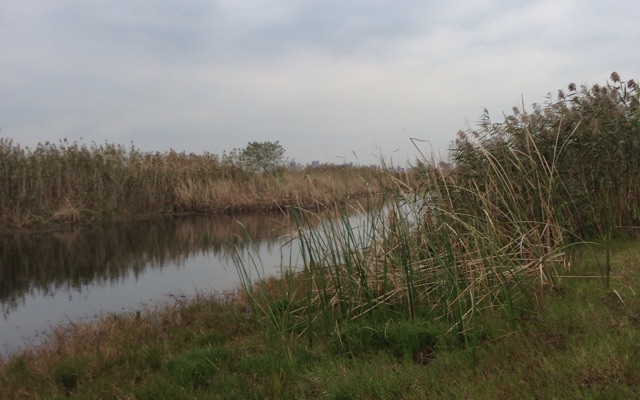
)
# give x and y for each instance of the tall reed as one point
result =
(588, 141)
(483, 233)
(418, 257)
(73, 183)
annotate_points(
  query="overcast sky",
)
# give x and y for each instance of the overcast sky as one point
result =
(331, 81)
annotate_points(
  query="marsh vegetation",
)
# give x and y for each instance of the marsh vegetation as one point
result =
(501, 274)
(71, 183)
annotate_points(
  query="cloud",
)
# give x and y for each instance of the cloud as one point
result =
(325, 78)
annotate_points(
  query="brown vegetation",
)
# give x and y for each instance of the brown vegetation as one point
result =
(75, 183)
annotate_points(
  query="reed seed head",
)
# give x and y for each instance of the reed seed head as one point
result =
(615, 77)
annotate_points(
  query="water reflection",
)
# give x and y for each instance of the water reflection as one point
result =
(73, 273)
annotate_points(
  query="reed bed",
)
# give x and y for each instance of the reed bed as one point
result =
(72, 183)
(488, 232)
(416, 260)
(580, 152)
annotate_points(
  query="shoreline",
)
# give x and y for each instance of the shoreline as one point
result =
(308, 204)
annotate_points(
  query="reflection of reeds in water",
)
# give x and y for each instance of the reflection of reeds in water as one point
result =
(46, 261)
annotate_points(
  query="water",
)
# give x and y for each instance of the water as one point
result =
(49, 278)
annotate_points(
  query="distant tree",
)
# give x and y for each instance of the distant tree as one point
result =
(264, 156)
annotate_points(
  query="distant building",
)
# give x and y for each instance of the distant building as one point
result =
(315, 164)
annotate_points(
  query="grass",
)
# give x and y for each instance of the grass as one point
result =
(497, 276)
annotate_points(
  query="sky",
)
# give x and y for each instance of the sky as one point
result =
(333, 81)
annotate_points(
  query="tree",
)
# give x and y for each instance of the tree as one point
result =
(263, 156)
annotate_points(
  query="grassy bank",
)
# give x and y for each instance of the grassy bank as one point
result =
(496, 276)
(77, 183)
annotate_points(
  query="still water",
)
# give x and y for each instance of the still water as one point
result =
(49, 278)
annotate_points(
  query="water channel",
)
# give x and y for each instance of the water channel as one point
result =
(50, 278)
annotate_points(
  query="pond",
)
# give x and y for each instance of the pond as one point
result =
(53, 277)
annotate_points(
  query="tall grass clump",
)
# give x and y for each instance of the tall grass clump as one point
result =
(415, 259)
(587, 142)
(420, 258)
(485, 233)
